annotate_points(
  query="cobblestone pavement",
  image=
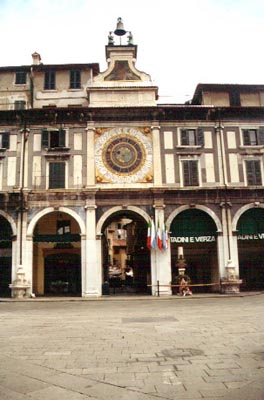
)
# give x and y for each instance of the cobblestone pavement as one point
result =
(135, 349)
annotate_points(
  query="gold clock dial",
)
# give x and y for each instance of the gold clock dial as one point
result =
(123, 155)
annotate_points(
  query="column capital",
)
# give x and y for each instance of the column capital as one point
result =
(155, 127)
(159, 206)
(90, 207)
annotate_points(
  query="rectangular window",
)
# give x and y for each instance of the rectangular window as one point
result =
(4, 140)
(75, 79)
(21, 78)
(49, 81)
(56, 175)
(190, 173)
(192, 137)
(63, 227)
(253, 171)
(53, 139)
(253, 137)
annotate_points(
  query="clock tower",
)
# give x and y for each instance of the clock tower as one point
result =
(121, 85)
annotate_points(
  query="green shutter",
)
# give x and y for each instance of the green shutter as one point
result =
(75, 79)
(61, 138)
(56, 175)
(5, 140)
(194, 173)
(246, 138)
(261, 136)
(184, 137)
(253, 172)
(200, 137)
(45, 138)
(190, 173)
(186, 173)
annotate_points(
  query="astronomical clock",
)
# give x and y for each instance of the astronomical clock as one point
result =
(123, 155)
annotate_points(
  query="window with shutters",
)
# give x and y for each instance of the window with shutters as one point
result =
(4, 140)
(253, 172)
(21, 78)
(190, 173)
(53, 139)
(253, 137)
(192, 137)
(49, 80)
(56, 175)
(75, 79)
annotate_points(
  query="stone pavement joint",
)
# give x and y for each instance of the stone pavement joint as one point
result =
(210, 348)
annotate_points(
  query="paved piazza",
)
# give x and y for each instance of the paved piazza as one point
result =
(136, 349)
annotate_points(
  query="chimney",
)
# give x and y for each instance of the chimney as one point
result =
(36, 58)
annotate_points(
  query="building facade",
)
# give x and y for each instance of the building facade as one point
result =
(83, 151)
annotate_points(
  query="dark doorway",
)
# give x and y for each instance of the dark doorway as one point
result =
(57, 255)
(5, 276)
(250, 237)
(126, 258)
(194, 231)
(63, 274)
(5, 257)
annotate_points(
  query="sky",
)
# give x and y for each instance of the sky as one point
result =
(181, 43)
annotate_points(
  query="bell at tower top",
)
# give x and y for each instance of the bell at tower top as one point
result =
(121, 84)
(120, 31)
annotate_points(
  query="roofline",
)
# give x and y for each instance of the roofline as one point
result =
(57, 67)
(229, 87)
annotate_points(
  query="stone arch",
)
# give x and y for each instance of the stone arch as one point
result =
(115, 264)
(68, 261)
(113, 210)
(247, 227)
(201, 257)
(10, 220)
(241, 211)
(199, 207)
(48, 210)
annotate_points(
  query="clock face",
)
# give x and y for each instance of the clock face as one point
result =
(123, 155)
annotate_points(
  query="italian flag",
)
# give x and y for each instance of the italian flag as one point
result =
(153, 238)
(149, 236)
(159, 238)
(164, 238)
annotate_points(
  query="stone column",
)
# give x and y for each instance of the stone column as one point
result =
(155, 130)
(225, 238)
(90, 181)
(83, 263)
(14, 257)
(230, 282)
(220, 254)
(92, 284)
(161, 258)
(28, 260)
(24, 248)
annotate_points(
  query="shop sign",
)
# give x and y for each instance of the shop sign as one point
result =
(192, 239)
(255, 236)
(193, 226)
